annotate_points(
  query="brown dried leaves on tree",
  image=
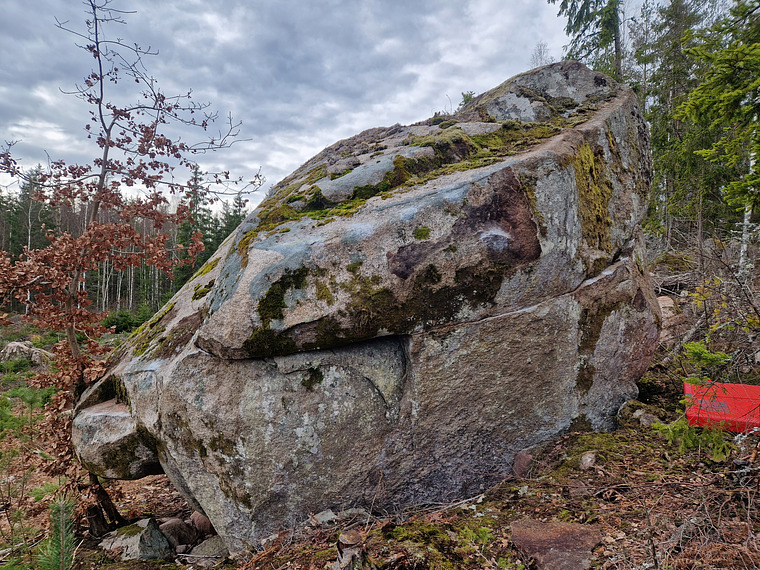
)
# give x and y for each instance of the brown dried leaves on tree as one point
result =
(138, 157)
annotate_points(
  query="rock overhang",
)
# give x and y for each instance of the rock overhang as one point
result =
(475, 234)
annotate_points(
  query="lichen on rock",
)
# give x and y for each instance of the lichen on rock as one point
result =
(401, 315)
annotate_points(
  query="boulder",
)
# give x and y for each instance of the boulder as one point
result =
(139, 541)
(403, 314)
(178, 532)
(15, 350)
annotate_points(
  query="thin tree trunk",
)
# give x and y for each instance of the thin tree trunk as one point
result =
(746, 234)
(700, 239)
(618, 55)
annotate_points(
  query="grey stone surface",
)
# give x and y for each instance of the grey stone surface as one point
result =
(15, 350)
(213, 546)
(179, 532)
(108, 438)
(140, 541)
(401, 346)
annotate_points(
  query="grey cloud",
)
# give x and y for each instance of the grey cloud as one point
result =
(300, 75)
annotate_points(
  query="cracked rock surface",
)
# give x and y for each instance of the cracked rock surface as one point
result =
(400, 316)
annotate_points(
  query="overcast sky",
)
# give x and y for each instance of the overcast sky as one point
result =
(299, 74)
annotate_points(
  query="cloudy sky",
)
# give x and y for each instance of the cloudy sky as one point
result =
(299, 74)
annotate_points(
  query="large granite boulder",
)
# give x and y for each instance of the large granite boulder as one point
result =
(400, 316)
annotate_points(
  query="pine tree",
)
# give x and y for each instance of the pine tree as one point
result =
(58, 551)
(686, 196)
(594, 26)
(728, 97)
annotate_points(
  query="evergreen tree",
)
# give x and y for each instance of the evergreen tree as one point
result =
(686, 198)
(231, 217)
(595, 29)
(58, 551)
(199, 226)
(30, 218)
(728, 95)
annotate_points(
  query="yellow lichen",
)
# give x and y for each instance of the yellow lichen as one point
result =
(594, 195)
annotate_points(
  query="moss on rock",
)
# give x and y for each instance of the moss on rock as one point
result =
(594, 195)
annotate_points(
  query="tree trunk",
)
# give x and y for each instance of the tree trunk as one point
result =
(618, 54)
(700, 239)
(746, 235)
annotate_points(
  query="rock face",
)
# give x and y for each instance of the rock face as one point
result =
(400, 316)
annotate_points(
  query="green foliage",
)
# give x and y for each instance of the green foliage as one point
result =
(14, 366)
(707, 361)
(705, 364)
(39, 493)
(121, 321)
(214, 228)
(127, 321)
(689, 437)
(506, 564)
(58, 551)
(421, 232)
(9, 421)
(686, 186)
(467, 97)
(479, 537)
(728, 96)
(34, 398)
(593, 26)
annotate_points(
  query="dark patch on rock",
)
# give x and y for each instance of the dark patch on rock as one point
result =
(504, 222)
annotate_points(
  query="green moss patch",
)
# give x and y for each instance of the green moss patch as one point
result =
(206, 268)
(421, 232)
(149, 331)
(313, 377)
(594, 195)
(273, 302)
(201, 291)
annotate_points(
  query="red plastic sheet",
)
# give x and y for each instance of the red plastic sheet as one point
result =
(730, 407)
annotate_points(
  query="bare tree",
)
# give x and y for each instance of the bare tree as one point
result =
(540, 55)
(139, 157)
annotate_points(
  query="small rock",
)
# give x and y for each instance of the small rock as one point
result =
(140, 541)
(209, 552)
(201, 522)
(348, 514)
(213, 547)
(348, 558)
(647, 420)
(178, 532)
(522, 463)
(323, 517)
(182, 548)
(555, 545)
(350, 537)
(588, 460)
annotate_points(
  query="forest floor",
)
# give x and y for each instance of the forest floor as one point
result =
(680, 503)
